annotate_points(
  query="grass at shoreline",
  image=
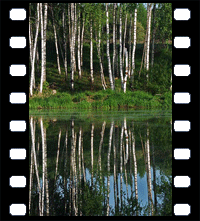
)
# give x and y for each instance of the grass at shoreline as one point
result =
(101, 100)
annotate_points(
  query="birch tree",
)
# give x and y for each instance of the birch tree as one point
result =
(120, 44)
(108, 52)
(91, 52)
(114, 37)
(153, 36)
(148, 38)
(34, 52)
(43, 44)
(56, 41)
(64, 39)
(134, 47)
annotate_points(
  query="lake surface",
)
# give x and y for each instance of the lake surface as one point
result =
(100, 163)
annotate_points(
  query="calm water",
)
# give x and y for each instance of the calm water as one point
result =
(100, 163)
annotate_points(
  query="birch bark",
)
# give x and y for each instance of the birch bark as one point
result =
(134, 47)
(56, 42)
(91, 53)
(108, 52)
(34, 52)
(120, 43)
(65, 41)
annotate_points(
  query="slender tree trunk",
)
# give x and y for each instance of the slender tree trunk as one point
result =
(100, 61)
(42, 48)
(82, 34)
(75, 29)
(154, 33)
(129, 60)
(91, 53)
(79, 45)
(114, 38)
(30, 36)
(34, 52)
(125, 28)
(45, 39)
(134, 48)
(135, 169)
(120, 43)
(72, 46)
(56, 42)
(58, 153)
(65, 41)
(150, 199)
(108, 52)
(108, 166)
(126, 70)
(148, 39)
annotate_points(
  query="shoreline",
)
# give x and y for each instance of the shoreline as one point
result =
(101, 100)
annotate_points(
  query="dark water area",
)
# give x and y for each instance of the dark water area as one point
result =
(100, 163)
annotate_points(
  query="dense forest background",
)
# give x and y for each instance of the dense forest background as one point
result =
(100, 46)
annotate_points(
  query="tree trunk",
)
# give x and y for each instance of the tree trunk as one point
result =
(65, 42)
(154, 33)
(34, 52)
(79, 45)
(120, 43)
(108, 52)
(45, 39)
(148, 39)
(114, 38)
(125, 28)
(91, 53)
(56, 42)
(42, 48)
(129, 60)
(134, 48)
(72, 45)
(82, 34)
(100, 61)
(126, 70)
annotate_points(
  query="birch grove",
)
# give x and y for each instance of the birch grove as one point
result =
(111, 30)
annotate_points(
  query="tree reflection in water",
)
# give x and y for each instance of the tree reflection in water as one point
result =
(112, 167)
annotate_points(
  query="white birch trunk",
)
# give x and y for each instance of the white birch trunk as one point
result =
(135, 168)
(43, 135)
(45, 39)
(42, 48)
(58, 153)
(72, 45)
(126, 70)
(91, 53)
(125, 28)
(154, 33)
(120, 43)
(108, 166)
(56, 42)
(82, 34)
(103, 82)
(108, 52)
(148, 39)
(114, 38)
(65, 41)
(34, 53)
(129, 60)
(134, 47)
(79, 45)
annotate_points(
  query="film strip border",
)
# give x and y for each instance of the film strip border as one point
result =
(185, 112)
(14, 111)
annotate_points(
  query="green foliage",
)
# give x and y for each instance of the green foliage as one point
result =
(164, 22)
(140, 32)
